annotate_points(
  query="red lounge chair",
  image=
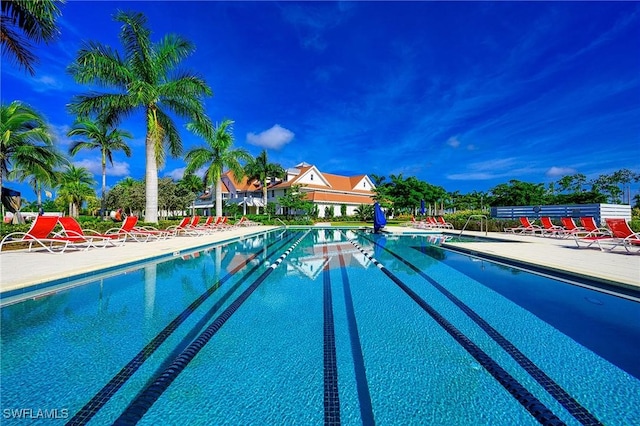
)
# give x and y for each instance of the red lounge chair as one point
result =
(443, 223)
(244, 221)
(432, 222)
(526, 227)
(208, 222)
(570, 227)
(623, 234)
(594, 235)
(224, 223)
(207, 227)
(139, 234)
(185, 227)
(592, 228)
(419, 224)
(71, 228)
(41, 233)
(550, 229)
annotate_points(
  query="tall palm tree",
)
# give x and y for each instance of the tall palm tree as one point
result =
(99, 136)
(216, 156)
(76, 186)
(144, 78)
(26, 145)
(25, 21)
(261, 170)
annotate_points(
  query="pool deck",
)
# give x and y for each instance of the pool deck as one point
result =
(21, 269)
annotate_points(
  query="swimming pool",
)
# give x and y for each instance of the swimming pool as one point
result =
(330, 326)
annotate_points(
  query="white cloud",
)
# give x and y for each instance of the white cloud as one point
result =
(46, 83)
(560, 171)
(94, 166)
(490, 169)
(453, 142)
(59, 133)
(274, 138)
(175, 174)
(473, 176)
(179, 173)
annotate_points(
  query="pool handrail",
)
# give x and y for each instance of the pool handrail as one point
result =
(280, 220)
(479, 216)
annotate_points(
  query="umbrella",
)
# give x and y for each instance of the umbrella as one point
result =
(379, 219)
(422, 211)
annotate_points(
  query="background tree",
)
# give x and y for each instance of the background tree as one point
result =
(624, 177)
(76, 186)
(128, 194)
(173, 198)
(364, 212)
(608, 185)
(97, 135)
(517, 193)
(377, 179)
(572, 183)
(194, 186)
(39, 177)
(144, 78)
(23, 22)
(217, 155)
(295, 201)
(261, 170)
(26, 144)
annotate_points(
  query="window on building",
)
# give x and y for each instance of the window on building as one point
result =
(311, 176)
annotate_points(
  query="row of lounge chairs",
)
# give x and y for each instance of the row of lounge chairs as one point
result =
(589, 234)
(431, 222)
(72, 236)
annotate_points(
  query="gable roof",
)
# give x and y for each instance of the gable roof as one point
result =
(325, 187)
(331, 181)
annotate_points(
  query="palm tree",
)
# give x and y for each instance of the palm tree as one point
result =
(261, 170)
(107, 140)
(38, 176)
(216, 156)
(23, 21)
(76, 186)
(144, 78)
(26, 145)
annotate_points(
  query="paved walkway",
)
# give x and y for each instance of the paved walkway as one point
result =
(20, 269)
(616, 267)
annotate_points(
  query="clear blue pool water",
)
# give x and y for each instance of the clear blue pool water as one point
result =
(328, 326)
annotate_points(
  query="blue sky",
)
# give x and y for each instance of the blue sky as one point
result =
(464, 95)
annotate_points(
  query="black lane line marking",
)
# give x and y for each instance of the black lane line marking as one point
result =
(143, 402)
(104, 395)
(184, 343)
(532, 404)
(362, 384)
(554, 389)
(331, 396)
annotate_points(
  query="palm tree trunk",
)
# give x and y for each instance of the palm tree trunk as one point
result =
(219, 197)
(39, 195)
(264, 196)
(151, 182)
(104, 185)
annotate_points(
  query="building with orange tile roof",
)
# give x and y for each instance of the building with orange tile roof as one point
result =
(329, 192)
